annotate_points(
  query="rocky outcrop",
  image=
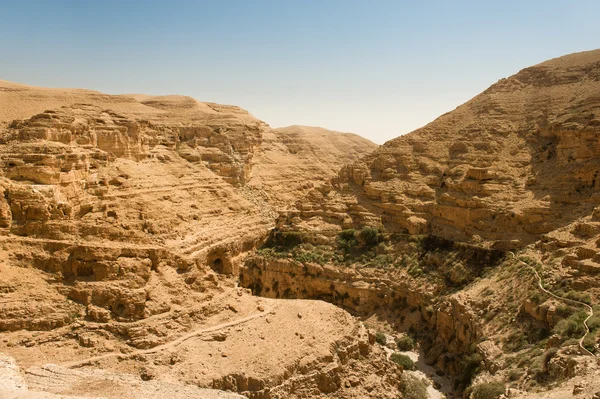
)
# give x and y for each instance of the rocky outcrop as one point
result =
(104, 135)
(292, 160)
(453, 324)
(122, 222)
(513, 163)
(53, 382)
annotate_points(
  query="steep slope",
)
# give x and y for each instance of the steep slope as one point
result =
(429, 222)
(122, 221)
(517, 161)
(292, 159)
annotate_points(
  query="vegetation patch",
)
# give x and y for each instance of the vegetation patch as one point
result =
(380, 338)
(489, 390)
(403, 360)
(405, 343)
(413, 387)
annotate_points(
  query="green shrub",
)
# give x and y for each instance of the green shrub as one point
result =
(412, 387)
(589, 343)
(564, 311)
(269, 252)
(403, 360)
(579, 296)
(346, 240)
(347, 235)
(381, 261)
(537, 298)
(415, 271)
(380, 338)
(469, 367)
(571, 327)
(594, 323)
(515, 374)
(490, 390)
(368, 236)
(405, 343)
(571, 342)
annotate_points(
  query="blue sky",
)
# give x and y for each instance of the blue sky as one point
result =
(378, 68)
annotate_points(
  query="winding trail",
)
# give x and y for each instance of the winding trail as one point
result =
(589, 309)
(178, 341)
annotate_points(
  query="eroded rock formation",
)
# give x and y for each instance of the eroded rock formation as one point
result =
(513, 170)
(123, 220)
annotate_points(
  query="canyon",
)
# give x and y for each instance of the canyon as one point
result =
(154, 244)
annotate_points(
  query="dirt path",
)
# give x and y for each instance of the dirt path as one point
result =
(589, 309)
(178, 341)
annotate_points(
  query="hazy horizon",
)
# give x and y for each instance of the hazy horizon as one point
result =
(378, 69)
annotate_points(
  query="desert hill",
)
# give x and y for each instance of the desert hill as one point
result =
(123, 220)
(485, 221)
(189, 243)
(511, 164)
(295, 158)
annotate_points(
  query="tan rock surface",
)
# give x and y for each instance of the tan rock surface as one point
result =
(53, 382)
(516, 161)
(514, 169)
(123, 219)
(293, 159)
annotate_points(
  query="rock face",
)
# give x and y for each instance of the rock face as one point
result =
(515, 169)
(294, 159)
(161, 171)
(123, 220)
(513, 163)
(96, 132)
(52, 382)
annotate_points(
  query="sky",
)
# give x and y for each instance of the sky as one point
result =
(374, 67)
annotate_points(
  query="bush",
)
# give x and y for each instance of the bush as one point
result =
(368, 236)
(381, 261)
(403, 360)
(346, 240)
(490, 390)
(572, 327)
(515, 374)
(589, 343)
(412, 387)
(579, 296)
(405, 343)
(347, 235)
(537, 298)
(564, 311)
(594, 323)
(469, 367)
(380, 338)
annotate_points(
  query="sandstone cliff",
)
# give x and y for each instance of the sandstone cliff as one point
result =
(517, 161)
(430, 221)
(122, 220)
(294, 159)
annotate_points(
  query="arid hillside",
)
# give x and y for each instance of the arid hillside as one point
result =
(161, 243)
(296, 158)
(123, 222)
(477, 236)
(517, 161)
